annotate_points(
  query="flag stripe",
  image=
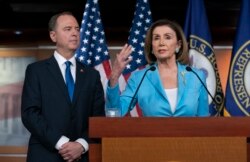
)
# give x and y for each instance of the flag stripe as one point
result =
(107, 69)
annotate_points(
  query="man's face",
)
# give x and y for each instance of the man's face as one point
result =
(66, 34)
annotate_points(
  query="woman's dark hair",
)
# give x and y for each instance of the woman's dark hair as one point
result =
(181, 56)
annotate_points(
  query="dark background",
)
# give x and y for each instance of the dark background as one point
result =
(32, 16)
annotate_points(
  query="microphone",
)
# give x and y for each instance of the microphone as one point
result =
(190, 69)
(152, 68)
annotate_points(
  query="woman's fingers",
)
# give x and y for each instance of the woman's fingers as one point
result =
(125, 52)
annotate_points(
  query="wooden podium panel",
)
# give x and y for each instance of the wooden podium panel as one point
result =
(234, 128)
(100, 127)
(174, 149)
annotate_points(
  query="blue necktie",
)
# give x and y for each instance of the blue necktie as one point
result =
(69, 80)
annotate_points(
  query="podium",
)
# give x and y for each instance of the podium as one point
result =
(181, 139)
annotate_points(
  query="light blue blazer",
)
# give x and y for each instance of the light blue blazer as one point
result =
(192, 98)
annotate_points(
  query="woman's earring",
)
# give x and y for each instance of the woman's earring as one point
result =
(177, 50)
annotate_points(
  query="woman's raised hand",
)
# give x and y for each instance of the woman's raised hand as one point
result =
(122, 59)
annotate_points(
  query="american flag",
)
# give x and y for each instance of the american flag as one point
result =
(93, 50)
(140, 24)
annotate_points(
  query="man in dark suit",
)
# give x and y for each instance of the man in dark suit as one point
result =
(57, 120)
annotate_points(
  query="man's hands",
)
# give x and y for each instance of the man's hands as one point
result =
(71, 151)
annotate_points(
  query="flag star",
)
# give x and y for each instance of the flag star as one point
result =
(99, 49)
(133, 49)
(95, 1)
(140, 52)
(137, 32)
(94, 37)
(87, 5)
(101, 40)
(102, 32)
(128, 66)
(106, 53)
(134, 40)
(92, 45)
(83, 49)
(85, 41)
(89, 61)
(90, 53)
(130, 57)
(141, 16)
(89, 24)
(97, 58)
(98, 21)
(138, 61)
(87, 32)
(96, 29)
(142, 44)
(81, 58)
(93, 9)
(91, 17)
(139, 24)
(148, 21)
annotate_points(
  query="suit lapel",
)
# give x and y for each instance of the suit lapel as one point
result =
(56, 73)
(181, 82)
(154, 78)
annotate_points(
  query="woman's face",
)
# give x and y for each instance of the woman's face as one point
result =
(164, 43)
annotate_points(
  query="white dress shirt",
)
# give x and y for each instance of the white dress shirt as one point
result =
(172, 98)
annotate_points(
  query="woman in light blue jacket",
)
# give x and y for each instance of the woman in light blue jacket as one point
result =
(167, 89)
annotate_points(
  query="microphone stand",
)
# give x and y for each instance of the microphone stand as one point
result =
(218, 111)
(152, 68)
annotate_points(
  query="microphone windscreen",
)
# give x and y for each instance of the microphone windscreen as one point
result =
(188, 68)
(152, 68)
